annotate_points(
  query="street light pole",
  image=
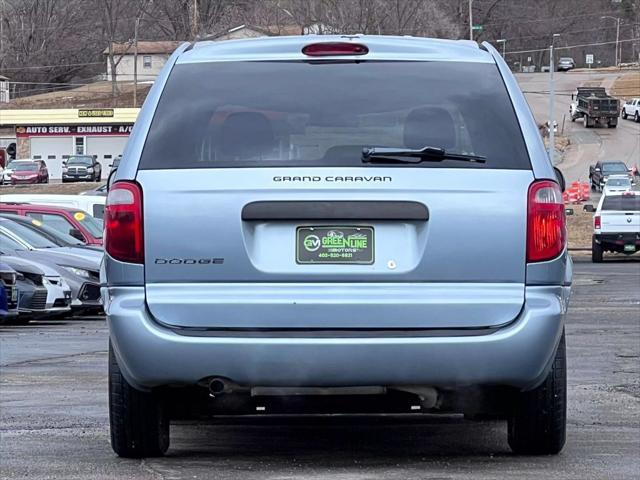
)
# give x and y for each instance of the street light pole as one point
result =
(617, 19)
(470, 19)
(135, 62)
(552, 94)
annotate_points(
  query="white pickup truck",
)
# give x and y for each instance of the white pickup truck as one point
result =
(616, 225)
(631, 108)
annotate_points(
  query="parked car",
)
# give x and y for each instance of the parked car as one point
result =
(29, 172)
(616, 225)
(600, 172)
(93, 204)
(565, 64)
(71, 221)
(617, 184)
(81, 168)
(429, 261)
(51, 295)
(78, 267)
(8, 170)
(631, 108)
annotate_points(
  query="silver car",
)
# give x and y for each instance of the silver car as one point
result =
(371, 219)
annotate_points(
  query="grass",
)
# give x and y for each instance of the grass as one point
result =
(627, 86)
(58, 188)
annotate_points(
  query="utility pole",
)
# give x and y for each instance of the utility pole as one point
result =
(135, 62)
(552, 94)
(194, 23)
(617, 19)
(503, 41)
(470, 19)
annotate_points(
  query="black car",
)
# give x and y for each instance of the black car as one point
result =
(82, 168)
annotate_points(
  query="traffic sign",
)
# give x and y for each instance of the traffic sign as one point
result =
(478, 28)
(589, 58)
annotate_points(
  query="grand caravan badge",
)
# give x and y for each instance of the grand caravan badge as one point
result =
(335, 245)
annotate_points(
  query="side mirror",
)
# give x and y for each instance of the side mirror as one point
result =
(560, 177)
(588, 208)
(597, 169)
(75, 233)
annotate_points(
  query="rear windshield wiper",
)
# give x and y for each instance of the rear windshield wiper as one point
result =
(405, 155)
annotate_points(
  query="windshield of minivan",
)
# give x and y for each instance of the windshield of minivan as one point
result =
(79, 161)
(242, 114)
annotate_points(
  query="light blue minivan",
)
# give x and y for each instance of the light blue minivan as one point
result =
(359, 223)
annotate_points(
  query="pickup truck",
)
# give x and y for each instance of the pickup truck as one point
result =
(631, 108)
(599, 173)
(616, 225)
(596, 107)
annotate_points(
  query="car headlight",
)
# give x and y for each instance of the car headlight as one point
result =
(8, 278)
(78, 271)
(90, 169)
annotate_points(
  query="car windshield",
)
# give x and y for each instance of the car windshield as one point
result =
(59, 238)
(265, 114)
(29, 236)
(614, 167)
(7, 244)
(91, 224)
(25, 167)
(79, 161)
(618, 182)
(625, 203)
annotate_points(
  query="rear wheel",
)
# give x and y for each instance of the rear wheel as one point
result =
(539, 421)
(624, 114)
(612, 125)
(636, 117)
(596, 252)
(139, 424)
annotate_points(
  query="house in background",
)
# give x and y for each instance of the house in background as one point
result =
(4, 89)
(254, 31)
(151, 58)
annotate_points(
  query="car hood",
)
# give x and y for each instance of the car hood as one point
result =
(26, 263)
(70, 257)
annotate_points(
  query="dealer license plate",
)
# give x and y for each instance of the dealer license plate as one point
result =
(346, 245)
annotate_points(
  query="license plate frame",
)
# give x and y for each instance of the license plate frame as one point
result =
(335, 245)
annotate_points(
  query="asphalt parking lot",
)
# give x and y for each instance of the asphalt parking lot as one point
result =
(54, 421)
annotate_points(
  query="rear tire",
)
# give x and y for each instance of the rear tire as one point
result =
(623, 114)
(612, 125)
(636, 117)
(597, 253)
(539, 421)
(139, 424)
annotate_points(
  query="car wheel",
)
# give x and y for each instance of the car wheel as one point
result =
(596, 252)
(623, 115)
(636, 117)
(612, 125)
(538, 423)
(139, 424)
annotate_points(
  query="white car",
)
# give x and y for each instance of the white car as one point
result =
(93, 204)
(617, 184)
(616, 225)
(631, 108)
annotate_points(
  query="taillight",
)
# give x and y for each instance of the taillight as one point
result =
(546, 222)
(123, 223)
(334, 48)
(597, 222)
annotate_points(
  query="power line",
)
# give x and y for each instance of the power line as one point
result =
(52, 66)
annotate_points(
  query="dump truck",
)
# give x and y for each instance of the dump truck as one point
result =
(595, 106)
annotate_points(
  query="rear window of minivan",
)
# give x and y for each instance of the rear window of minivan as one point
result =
(262, 114)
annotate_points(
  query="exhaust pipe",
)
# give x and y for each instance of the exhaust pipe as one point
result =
(218, 386)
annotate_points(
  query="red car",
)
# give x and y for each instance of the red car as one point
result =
(67, 220)
(30, 172)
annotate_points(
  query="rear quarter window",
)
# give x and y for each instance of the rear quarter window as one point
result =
(253, 114)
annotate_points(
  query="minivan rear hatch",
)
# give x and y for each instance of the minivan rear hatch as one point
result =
(259, 212)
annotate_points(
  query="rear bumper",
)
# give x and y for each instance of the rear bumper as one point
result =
(516, 355)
